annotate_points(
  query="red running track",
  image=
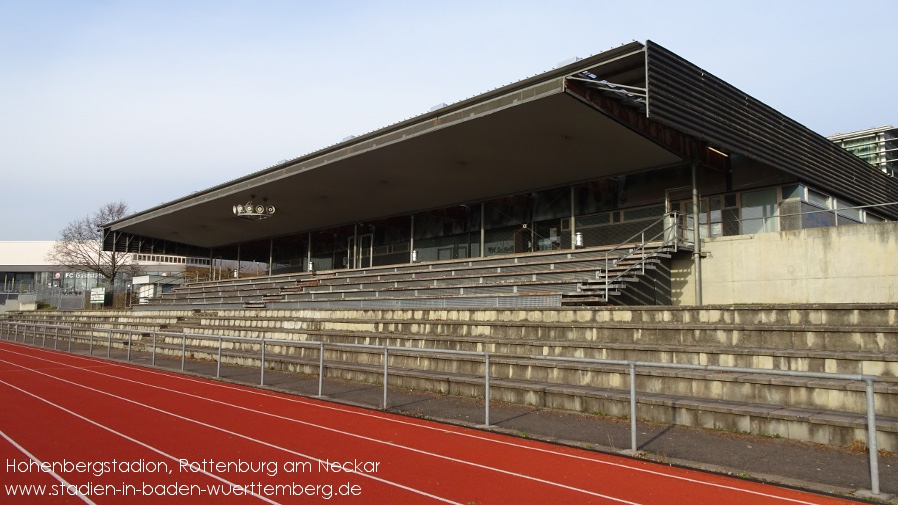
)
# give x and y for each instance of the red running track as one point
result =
(117, 433)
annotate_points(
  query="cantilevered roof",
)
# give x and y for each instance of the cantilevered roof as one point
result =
(541, 132)
(528, 135)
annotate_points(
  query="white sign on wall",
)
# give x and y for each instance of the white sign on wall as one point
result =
(97, 295)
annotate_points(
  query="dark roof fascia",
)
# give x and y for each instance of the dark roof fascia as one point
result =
(691, 100)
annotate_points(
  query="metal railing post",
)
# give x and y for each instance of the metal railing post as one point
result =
(90, 345)
(262, 374)
(128, 358)
(386, 363)
(183, 349)
(56, 338)
(606, 278)
(321, 370)
(642, 254)
(486, 389)
(71, 336)
(218, 365)
(153, 356)
(44, 337)
(633, 407)
(109, 344)
(871, 439)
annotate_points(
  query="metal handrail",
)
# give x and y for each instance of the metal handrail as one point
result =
(627, 244)
(630, 364)
(263, 342)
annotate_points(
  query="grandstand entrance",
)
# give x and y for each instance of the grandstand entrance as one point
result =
(360, 251)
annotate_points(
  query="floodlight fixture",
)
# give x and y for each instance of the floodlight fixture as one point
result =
(254, 211)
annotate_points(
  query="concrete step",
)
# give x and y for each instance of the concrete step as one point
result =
(724, 412)
(850, 339)
(797, 392)
(835, 361)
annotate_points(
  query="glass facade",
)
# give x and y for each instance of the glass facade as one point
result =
(876, 146)
(602, 212)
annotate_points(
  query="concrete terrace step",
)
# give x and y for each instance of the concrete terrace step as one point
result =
(832, 338)
(811, 422)
(560, 272)
(828, 337)
(839, 360)
(802, 392)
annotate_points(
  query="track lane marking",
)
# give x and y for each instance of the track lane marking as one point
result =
(130, 439)
(207, 425)
(248, 389)
(55, 475)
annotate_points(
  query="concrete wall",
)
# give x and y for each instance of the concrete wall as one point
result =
(845, 264)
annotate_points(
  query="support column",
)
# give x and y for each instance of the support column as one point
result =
(237, 269)
(270, 256)
(355, 248)
(411, 241)
(696, 235)
(573, 223)
(309, 253)
(482, 230)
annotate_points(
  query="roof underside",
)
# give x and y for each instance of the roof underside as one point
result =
(526, 136)
(523, 137)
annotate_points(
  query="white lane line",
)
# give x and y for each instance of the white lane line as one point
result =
(130, 439)
(392, 419)
(55, 475)
(210, 426)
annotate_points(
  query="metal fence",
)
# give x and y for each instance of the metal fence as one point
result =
(13, 330)
(62, 299)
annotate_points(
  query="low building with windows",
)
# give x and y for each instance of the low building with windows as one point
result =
(629, 146)
(27, 275)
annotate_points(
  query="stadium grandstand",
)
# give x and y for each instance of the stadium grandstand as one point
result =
(624, 209)
(578, 186)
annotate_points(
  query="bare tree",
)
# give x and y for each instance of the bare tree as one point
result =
(80, 245)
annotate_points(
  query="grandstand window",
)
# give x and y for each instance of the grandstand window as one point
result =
(759, 211)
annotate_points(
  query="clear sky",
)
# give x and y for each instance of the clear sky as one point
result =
(149, 101)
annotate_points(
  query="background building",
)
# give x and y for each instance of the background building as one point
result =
(27, 277)
(876, 146)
